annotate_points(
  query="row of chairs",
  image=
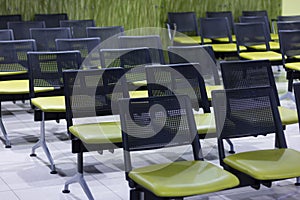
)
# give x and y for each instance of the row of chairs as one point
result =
(247, 113)
(51, 20)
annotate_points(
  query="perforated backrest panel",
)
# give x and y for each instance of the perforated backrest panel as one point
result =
(51, 20)
(289, 43)
(78, 27)
(186, 22)
(21, 30)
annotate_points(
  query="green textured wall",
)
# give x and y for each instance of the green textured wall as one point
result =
(133, 13)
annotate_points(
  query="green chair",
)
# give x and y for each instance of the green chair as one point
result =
(255, 38)
(14, 84)
(161, 123)
(248, 112)
(88, 95)
(255, 73)
(46, 72)
(215, 28)
(183, 28)
(228, 15)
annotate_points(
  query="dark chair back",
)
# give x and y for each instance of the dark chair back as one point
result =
(289, 18)
(212, 28)
(178, 79)
(203, 55)
(288, 25)
(45, 37)
(78, 27)
(46, 69)
(85, 46)
(8, 18)
(153, 42)
(21, 29)
(185, 22)
(51, 20)
(227, 14)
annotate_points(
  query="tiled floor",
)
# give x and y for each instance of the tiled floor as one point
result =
(27, 178)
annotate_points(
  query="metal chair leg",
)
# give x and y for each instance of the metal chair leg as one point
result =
(42, 143)
(7, 142)
(78, 178)
(297, 181)
(231, 147)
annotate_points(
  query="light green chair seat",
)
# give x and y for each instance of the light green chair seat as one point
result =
(138, 94)
(230, 47)
(50, 104)
(262, 47)
(210, 88)
(184, 178)
(288, 116)
(225, 39)
(267, 164)
(190, 40)
(274, 36)
(293, 66)
(98, 133)
(140, 83)
(20, 87)
(205, 123)
(268, 55)
(12, 73)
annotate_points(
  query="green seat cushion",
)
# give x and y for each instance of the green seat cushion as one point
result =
(270, 164)
(230, 47)
(190, 40)
(205, 123)
(98, 133)
(50, 104)
(139, 83)
(184, 178)
(274, 36)
(210, 88)
(293, 66)
(268, 55)
(225, 39)
(19, 87)
(287, 115)
(138, 94)
(12, 73)
(262, 47)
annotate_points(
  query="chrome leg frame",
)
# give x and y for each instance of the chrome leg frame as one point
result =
(78, 178)
(42, 143)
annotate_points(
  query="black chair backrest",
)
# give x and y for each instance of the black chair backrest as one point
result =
(21, 29)
(289, 44)
(204, 55)
(6, 34)
(288, 25)
(133, 60)
(78, 27)
(257, 13)
(157, 122)
(45, 37)
(296, 87)
(13, 54)
(51, 20)
(217, 27)
(178, 79)
(263, 19)
(289, 18)
(104, 32)
(246, 112)
(93, 92)
(45, 68)
(248, 74)
(153, 42)
(249, 34)
(84, 45)
(186, 22)
(227, 14)
(8, 18)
